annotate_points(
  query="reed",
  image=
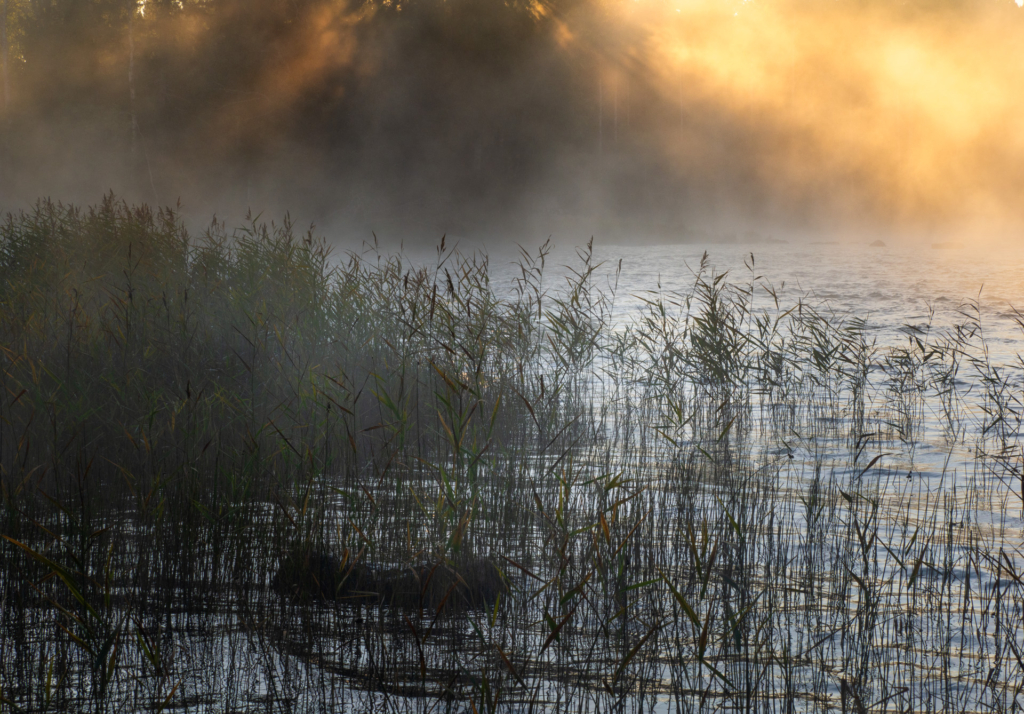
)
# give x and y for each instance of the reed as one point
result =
(240, 473)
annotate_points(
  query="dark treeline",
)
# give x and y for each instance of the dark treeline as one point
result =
(439, 112)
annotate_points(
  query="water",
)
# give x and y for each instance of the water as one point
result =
(957, 482)
(888, 287)
(898, 292)
(817, 546)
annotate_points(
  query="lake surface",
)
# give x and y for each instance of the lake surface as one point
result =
(936, 458)
(932, 289)
(889, 287)
(831, 521)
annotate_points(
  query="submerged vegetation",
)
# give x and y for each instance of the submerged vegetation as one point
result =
(220, 453)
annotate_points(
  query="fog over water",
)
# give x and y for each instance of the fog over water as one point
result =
(649, 120)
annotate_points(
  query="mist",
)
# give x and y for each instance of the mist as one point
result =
(683, 120)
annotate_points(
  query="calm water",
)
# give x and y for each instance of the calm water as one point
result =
(261, 654)
(889, 287)
(918, 482)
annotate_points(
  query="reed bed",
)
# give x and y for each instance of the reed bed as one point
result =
(721, 501)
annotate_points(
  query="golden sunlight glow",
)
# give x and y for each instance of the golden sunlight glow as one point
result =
(919, 111)
(906, 113)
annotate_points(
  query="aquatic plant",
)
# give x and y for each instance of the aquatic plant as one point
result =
(241, 473)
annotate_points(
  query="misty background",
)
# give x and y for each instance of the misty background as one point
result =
(647, 120)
